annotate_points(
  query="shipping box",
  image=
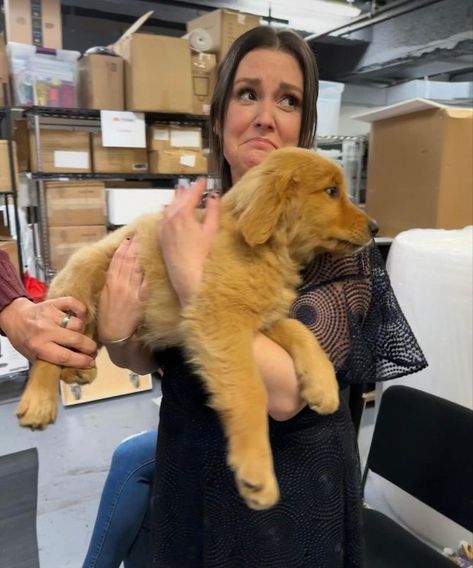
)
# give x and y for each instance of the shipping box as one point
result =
(157, 71)
(177, 162)
(204, 76)
(165, 137)
(111, 160)
(223, 27)
(75, 203)
(62, 151)
(101, 83)
(5, 176)
(10, 246)
(64, 241)
(36, 22)
(420, 168)
(21, 136)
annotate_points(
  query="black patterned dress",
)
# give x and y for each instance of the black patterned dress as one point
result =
(200, 521)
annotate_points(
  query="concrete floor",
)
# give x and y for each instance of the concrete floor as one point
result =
(74, 457)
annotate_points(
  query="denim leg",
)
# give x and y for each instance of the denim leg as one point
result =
(124, 504)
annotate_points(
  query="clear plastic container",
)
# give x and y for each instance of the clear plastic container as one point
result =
(328, 107)
(43, 77)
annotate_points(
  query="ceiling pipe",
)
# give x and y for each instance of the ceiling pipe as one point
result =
(366, 20)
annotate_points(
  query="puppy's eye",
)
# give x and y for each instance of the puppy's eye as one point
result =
(332, 191)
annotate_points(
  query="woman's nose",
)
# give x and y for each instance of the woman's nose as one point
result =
(265, 116)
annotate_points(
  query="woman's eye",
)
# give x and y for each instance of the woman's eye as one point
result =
(246, 95)
(290, 101)
(332, 191)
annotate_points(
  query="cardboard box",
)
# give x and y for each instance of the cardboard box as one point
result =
(101, 82)
(117, 160)
(420, 171)
(10, 247)
(4, 70)
(166, 137)
(21, 136)
(75, 203)
(64, 241)
(5, 176)
(110, 381)
(11, 362)
(204, 76)
(62, 151)
(157, 71)
(223, 27)
(177, 162)
(37, 22)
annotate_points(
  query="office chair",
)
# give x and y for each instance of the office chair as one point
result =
(422, 444)
(18, 505)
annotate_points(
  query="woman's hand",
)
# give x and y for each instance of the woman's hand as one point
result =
(124, 295)
(37, 331)
(185, 242)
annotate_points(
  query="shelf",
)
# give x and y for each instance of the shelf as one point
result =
(336, 139)
(128, 176)
(88, 114)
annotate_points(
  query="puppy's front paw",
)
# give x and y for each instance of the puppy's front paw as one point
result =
(320, 389)
(38, 411)
(254, 474)
(79, 376)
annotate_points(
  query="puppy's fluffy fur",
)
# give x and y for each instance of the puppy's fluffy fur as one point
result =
(274, 220)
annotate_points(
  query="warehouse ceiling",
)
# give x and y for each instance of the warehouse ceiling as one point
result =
(388, 42)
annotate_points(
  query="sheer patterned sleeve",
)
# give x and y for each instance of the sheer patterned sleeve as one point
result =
(349, 305)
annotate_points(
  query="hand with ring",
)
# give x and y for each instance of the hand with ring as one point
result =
(51, 330)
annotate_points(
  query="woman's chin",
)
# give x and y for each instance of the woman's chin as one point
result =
(256, 156)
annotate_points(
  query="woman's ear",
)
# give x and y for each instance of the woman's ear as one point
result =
(266, 195)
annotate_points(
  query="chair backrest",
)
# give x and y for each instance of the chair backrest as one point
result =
(424, 445)
(18, 504)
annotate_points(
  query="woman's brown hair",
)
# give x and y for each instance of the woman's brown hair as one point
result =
(262, 37)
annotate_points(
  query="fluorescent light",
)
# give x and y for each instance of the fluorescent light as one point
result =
(317, 7)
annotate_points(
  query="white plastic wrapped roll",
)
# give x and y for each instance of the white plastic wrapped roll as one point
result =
(431, 273)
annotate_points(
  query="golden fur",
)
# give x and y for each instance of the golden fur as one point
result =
(274, 220)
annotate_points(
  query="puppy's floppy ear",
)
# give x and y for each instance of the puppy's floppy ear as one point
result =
(266, 195)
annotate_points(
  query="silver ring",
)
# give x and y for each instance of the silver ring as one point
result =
(65, 319)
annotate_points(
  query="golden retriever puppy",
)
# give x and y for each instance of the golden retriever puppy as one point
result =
(274, 220)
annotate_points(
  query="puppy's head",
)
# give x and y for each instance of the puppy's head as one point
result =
(299, 197)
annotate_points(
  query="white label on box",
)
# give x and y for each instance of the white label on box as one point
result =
(76, 160)
(160, 134)
(10, 360)
(123, 129)
(187, 160)
(185, 139)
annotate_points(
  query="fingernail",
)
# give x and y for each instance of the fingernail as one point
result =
(91, 364)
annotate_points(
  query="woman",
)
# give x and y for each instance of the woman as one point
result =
(264, 99)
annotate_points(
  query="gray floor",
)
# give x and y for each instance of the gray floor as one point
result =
(74, 456)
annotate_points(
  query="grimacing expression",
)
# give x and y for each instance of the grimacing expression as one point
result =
(264, 110)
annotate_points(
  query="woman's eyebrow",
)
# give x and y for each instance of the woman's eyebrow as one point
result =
(283, 86)
(248, 80)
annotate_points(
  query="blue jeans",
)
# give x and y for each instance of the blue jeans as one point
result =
(121, 530)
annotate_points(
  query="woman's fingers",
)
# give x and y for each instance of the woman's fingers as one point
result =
(213, 212)
(67, 304)
(59, 355)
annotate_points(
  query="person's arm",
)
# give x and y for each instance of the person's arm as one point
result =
(121, 307)
(35, 330)
(185, 244)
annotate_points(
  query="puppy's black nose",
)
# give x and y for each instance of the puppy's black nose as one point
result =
(373, 227)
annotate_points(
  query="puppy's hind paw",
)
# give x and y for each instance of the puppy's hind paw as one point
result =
(79, 376)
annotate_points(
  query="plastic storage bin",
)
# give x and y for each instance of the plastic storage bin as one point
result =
(43, 77)
(328, 107)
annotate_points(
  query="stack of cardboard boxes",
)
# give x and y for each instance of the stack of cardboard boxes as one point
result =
(76, 216)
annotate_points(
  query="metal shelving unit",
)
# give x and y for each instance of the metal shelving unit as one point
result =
(39, 118)
(6, 123)
(352, 159)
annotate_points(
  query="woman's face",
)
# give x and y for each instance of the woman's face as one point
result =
(264, 110)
